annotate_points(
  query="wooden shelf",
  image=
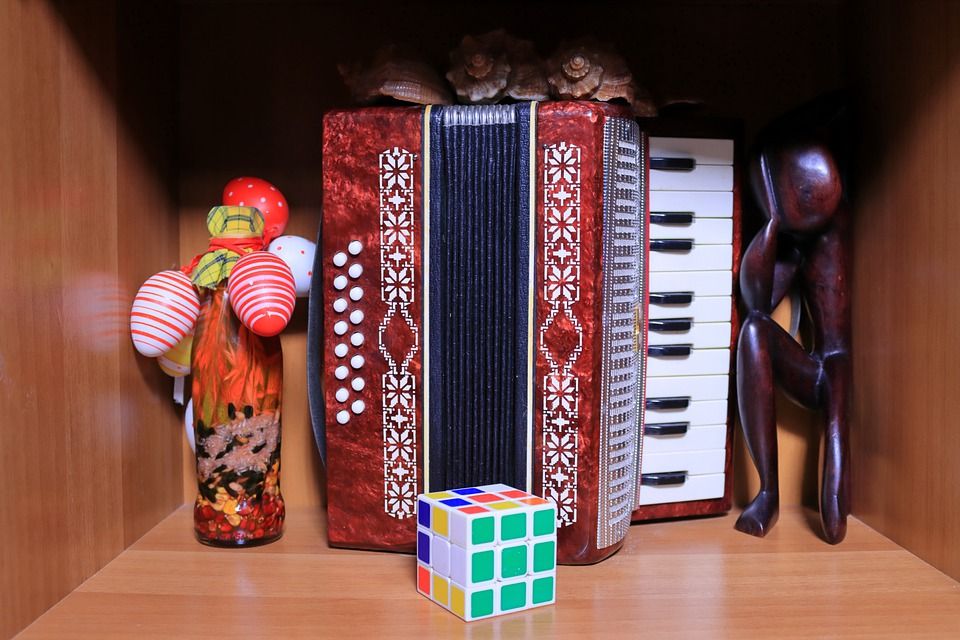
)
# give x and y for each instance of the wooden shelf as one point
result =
(691, 578)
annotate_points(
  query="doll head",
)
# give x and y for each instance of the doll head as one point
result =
(797, 182)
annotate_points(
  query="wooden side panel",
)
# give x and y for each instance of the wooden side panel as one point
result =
(69, 380)
(906, 436)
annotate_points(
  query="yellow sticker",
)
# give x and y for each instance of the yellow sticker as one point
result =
(441, 591)
(506, 504)
(456, 600)
(440, 522)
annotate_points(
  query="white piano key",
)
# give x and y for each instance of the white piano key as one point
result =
(694, 463)
(703, 487)
(697, 413)
(702, 204)
(697, 388)
(701, 283)
(705, 309)
(701, 231)
(700, 362)
(712, 436)
(703, 177)
(702, 257)
(703, 150)
(702, 335)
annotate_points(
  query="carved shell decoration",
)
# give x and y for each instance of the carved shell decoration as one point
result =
(588, 70)
(487, 68)
(395, 75)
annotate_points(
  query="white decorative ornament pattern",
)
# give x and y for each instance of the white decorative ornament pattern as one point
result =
(561, 290)
(397, 293)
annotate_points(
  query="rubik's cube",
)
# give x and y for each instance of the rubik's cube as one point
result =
(485, 551)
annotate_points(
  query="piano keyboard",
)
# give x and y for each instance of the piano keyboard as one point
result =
(689, 320)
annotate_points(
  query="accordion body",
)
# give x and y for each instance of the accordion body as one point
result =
(489, 332)
(482, 317)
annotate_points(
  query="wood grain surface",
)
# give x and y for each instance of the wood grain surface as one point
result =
(906, 75)
(697, 578)
(87, 452)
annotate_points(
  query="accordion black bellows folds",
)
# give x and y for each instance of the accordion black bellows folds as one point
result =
(479, 295)
(483, 306)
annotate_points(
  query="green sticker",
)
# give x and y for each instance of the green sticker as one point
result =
(482, 565)
(544, 522)
(482, 530)
(544, 556)
(514, 526)
(513, 561)
(513, 596)
(543, 590)
(481, 603)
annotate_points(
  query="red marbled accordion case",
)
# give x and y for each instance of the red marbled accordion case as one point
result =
(376, 183)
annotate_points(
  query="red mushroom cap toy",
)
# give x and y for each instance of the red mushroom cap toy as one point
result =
(257, 192)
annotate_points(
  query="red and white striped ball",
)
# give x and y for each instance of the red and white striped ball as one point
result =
(262, 292)
(164, 311)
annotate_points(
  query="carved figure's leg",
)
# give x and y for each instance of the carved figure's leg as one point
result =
(765, 350)
(835, 488)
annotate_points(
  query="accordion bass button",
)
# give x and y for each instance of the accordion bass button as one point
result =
(355, 247)
(341, 372)
(356, 316)
(358, 384)
(340, 350)
(356, 339)
(356, 361)
(342, 394)
(339, 259)
(339, 305)
(356, 293)
(355, 270)
(340, 283)
(343, 417)
(357, 407)
(340, 328)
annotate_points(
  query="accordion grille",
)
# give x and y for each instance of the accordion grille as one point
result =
(622, 362)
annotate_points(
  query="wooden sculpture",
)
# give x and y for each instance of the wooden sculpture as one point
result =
(797, 181)
(394, 74)
(489, 68)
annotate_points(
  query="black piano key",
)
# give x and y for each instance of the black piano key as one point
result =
(674, 402)
(671, 217)
(671, 245)
(673, 164)
(670, 324)
(663, 350)
(663, 479)
(672, 297)
(666, 428)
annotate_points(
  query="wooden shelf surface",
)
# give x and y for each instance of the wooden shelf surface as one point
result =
(695, 578)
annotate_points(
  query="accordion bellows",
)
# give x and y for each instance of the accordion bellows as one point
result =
(482, 291)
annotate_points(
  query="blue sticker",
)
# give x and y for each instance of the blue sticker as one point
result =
(423, 514)
(466, 492)
(455, 502)
(423, 547)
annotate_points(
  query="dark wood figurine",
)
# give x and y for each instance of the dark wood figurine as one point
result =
(797, 181)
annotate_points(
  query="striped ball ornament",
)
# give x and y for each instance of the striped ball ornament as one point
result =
(164, 311)
(262, 292)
